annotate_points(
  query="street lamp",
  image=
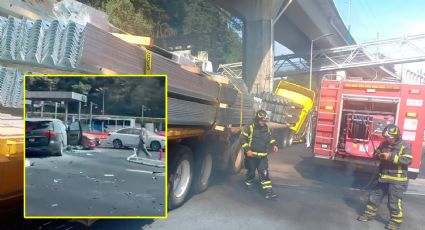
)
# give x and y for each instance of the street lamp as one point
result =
(143, 112)
(102, 90)
(311, 55)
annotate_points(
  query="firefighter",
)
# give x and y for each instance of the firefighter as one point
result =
(143, 137)
(256, 141)
(395, 156)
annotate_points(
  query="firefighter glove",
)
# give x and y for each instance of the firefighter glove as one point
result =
(249, 153)
(384, 156)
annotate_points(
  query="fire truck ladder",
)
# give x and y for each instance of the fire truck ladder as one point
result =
(326, 126)
(377, 53)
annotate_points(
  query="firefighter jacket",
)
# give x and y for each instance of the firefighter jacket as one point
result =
(395, 168)
(258, 139)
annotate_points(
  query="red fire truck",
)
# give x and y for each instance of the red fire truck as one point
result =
(352, 114)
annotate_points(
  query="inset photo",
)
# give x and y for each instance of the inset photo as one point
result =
(95, 146)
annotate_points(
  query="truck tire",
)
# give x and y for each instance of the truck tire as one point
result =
(285, 138)
(180, 176)
(236, 158)
(203, 169)
(290, 137)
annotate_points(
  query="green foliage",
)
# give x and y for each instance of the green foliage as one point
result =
(125, 16)
(216, 32)
(207, 28)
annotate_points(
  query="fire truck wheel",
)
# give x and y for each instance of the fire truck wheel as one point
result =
(180, 175)
(203, 169)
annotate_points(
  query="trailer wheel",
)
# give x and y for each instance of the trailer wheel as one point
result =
(236, 158)
(285, 138)
(290, 137)
(203, 169)
(180, 176)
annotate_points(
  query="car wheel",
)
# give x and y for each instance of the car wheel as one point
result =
(61, 149)
(155, 146)
(117, 144)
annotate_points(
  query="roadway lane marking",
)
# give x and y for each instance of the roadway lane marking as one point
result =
(140, 171)
(144, 171)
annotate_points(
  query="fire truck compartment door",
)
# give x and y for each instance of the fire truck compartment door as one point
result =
(371, 99)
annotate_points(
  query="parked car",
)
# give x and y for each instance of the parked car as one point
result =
(90, 141)
(129, 137)
(50, 135)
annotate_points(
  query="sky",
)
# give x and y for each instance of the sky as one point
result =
(373, 19)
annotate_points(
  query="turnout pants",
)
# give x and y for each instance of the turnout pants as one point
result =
(395, 205)
(142, 147)
(261, 165)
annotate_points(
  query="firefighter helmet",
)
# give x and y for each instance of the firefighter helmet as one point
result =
(261, 115)
(391, 131)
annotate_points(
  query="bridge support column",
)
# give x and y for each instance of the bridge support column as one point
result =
(258, 55)
(258, 17)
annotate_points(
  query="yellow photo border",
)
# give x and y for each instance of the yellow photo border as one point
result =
(166, 146)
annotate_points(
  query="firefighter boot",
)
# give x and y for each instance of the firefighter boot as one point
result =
(365, 217)
(392, 226)
(248, 184)
(270, 194)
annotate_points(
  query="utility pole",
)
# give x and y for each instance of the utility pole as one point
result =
(91, 112)
(56, 109)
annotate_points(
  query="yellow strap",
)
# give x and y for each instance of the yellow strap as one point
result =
(245, 145)
(406, 155)
(245, 134)
(148, 61)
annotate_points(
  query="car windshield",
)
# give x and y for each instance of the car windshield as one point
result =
(38, 126)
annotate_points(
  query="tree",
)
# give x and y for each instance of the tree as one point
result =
(125, 16)
(217, 33)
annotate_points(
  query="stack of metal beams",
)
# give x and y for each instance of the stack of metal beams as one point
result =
(282, 110)
(48, 44)
(11, 87)
(195, 99)
(243, 108)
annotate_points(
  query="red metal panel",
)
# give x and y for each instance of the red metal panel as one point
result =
(326, 116)
(410, 104)
(320, 140)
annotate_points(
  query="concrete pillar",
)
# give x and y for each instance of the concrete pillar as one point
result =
(258, 17)
(258, 55)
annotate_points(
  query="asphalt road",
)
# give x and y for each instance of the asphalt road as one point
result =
(314, 194)
(100, 182)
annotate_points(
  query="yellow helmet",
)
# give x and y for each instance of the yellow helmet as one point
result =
(261, 115)
(391, 130)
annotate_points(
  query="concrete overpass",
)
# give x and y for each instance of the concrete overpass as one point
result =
(292, 23)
